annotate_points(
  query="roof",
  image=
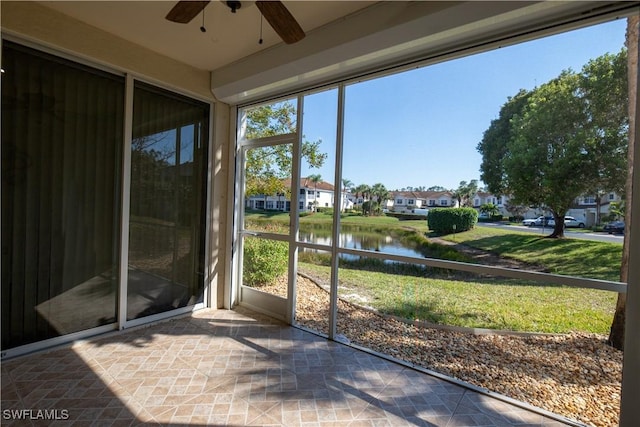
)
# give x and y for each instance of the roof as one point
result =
(420, 194)
(305, 182)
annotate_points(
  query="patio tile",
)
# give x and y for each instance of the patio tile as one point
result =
(239, 368)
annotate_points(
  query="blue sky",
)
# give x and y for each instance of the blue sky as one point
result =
(421, 127)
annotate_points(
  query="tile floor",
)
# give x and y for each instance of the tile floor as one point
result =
(234, 368)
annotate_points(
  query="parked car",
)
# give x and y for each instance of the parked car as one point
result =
(570, 221)
(614, 227)
(546, 221)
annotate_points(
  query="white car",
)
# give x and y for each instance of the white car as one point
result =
(570, 221)
(546, 221)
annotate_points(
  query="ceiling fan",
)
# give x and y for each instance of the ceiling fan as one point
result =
(276, 14)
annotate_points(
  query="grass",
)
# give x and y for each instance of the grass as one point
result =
(479, 303)
(572, 257)
(349, 221)
(462, 299)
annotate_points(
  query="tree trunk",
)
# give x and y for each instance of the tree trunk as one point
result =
(616, 335)
(558, 228)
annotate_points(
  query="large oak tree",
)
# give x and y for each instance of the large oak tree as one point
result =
(561, 140)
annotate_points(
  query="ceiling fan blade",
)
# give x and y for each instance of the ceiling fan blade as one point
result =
(281, 20)
(184, 11)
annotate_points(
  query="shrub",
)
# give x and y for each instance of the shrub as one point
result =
(442, 220)
(371, 207)
(264, 261)
(325, 211)
(405, 216)
(492, 218)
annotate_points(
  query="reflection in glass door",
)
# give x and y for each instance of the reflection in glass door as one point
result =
(166, 222)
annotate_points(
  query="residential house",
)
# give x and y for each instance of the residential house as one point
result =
(407, 201)
(312, 195)
(585, 208)
(591, 210)
(357, 200)
(440, 199)
(483, 198)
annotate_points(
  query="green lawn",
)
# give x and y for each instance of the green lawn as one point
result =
(573, 257)
(479, 303)
(347, 221)
(472, 301)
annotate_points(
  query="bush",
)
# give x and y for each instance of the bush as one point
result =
(405, 216)
(492, 218)
(442, 220)
(371, 207)
(264, 261)
(325, 211)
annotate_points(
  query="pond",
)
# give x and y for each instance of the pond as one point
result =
(369, 241)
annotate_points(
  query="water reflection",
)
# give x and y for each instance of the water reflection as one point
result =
(368, 241)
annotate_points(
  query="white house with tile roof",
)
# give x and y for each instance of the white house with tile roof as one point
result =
(311, 196)
(408, 201)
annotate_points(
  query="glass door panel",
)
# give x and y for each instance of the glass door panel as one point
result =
(313, 286)
(266, 228)
(166, 222)
(268, 120)
(265, 275)
(267, 188)
(61, 138)
(316, 196)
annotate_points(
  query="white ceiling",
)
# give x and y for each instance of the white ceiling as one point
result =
(344, 38)
(229, 37)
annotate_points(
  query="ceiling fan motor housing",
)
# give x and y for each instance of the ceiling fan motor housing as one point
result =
(274, 11)
(234, 5)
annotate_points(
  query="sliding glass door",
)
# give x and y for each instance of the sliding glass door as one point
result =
(62, 132)
(65, 173)
(166, 220)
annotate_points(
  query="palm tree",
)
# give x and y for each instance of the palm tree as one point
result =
(362, 190)
(490, 209)
(465, 191)
(315, 179)
(346, 185)
(379, 191)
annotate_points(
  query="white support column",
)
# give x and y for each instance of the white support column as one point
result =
(125, 193)
(335, 237)
(235, 209)
(294, 215)
(210, 294)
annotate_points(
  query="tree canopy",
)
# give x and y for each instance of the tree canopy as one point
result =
(465, 191)
(563, 139)
(381, 194)
(267, 167)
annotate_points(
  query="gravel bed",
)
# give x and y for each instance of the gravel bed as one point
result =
(575, 375)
